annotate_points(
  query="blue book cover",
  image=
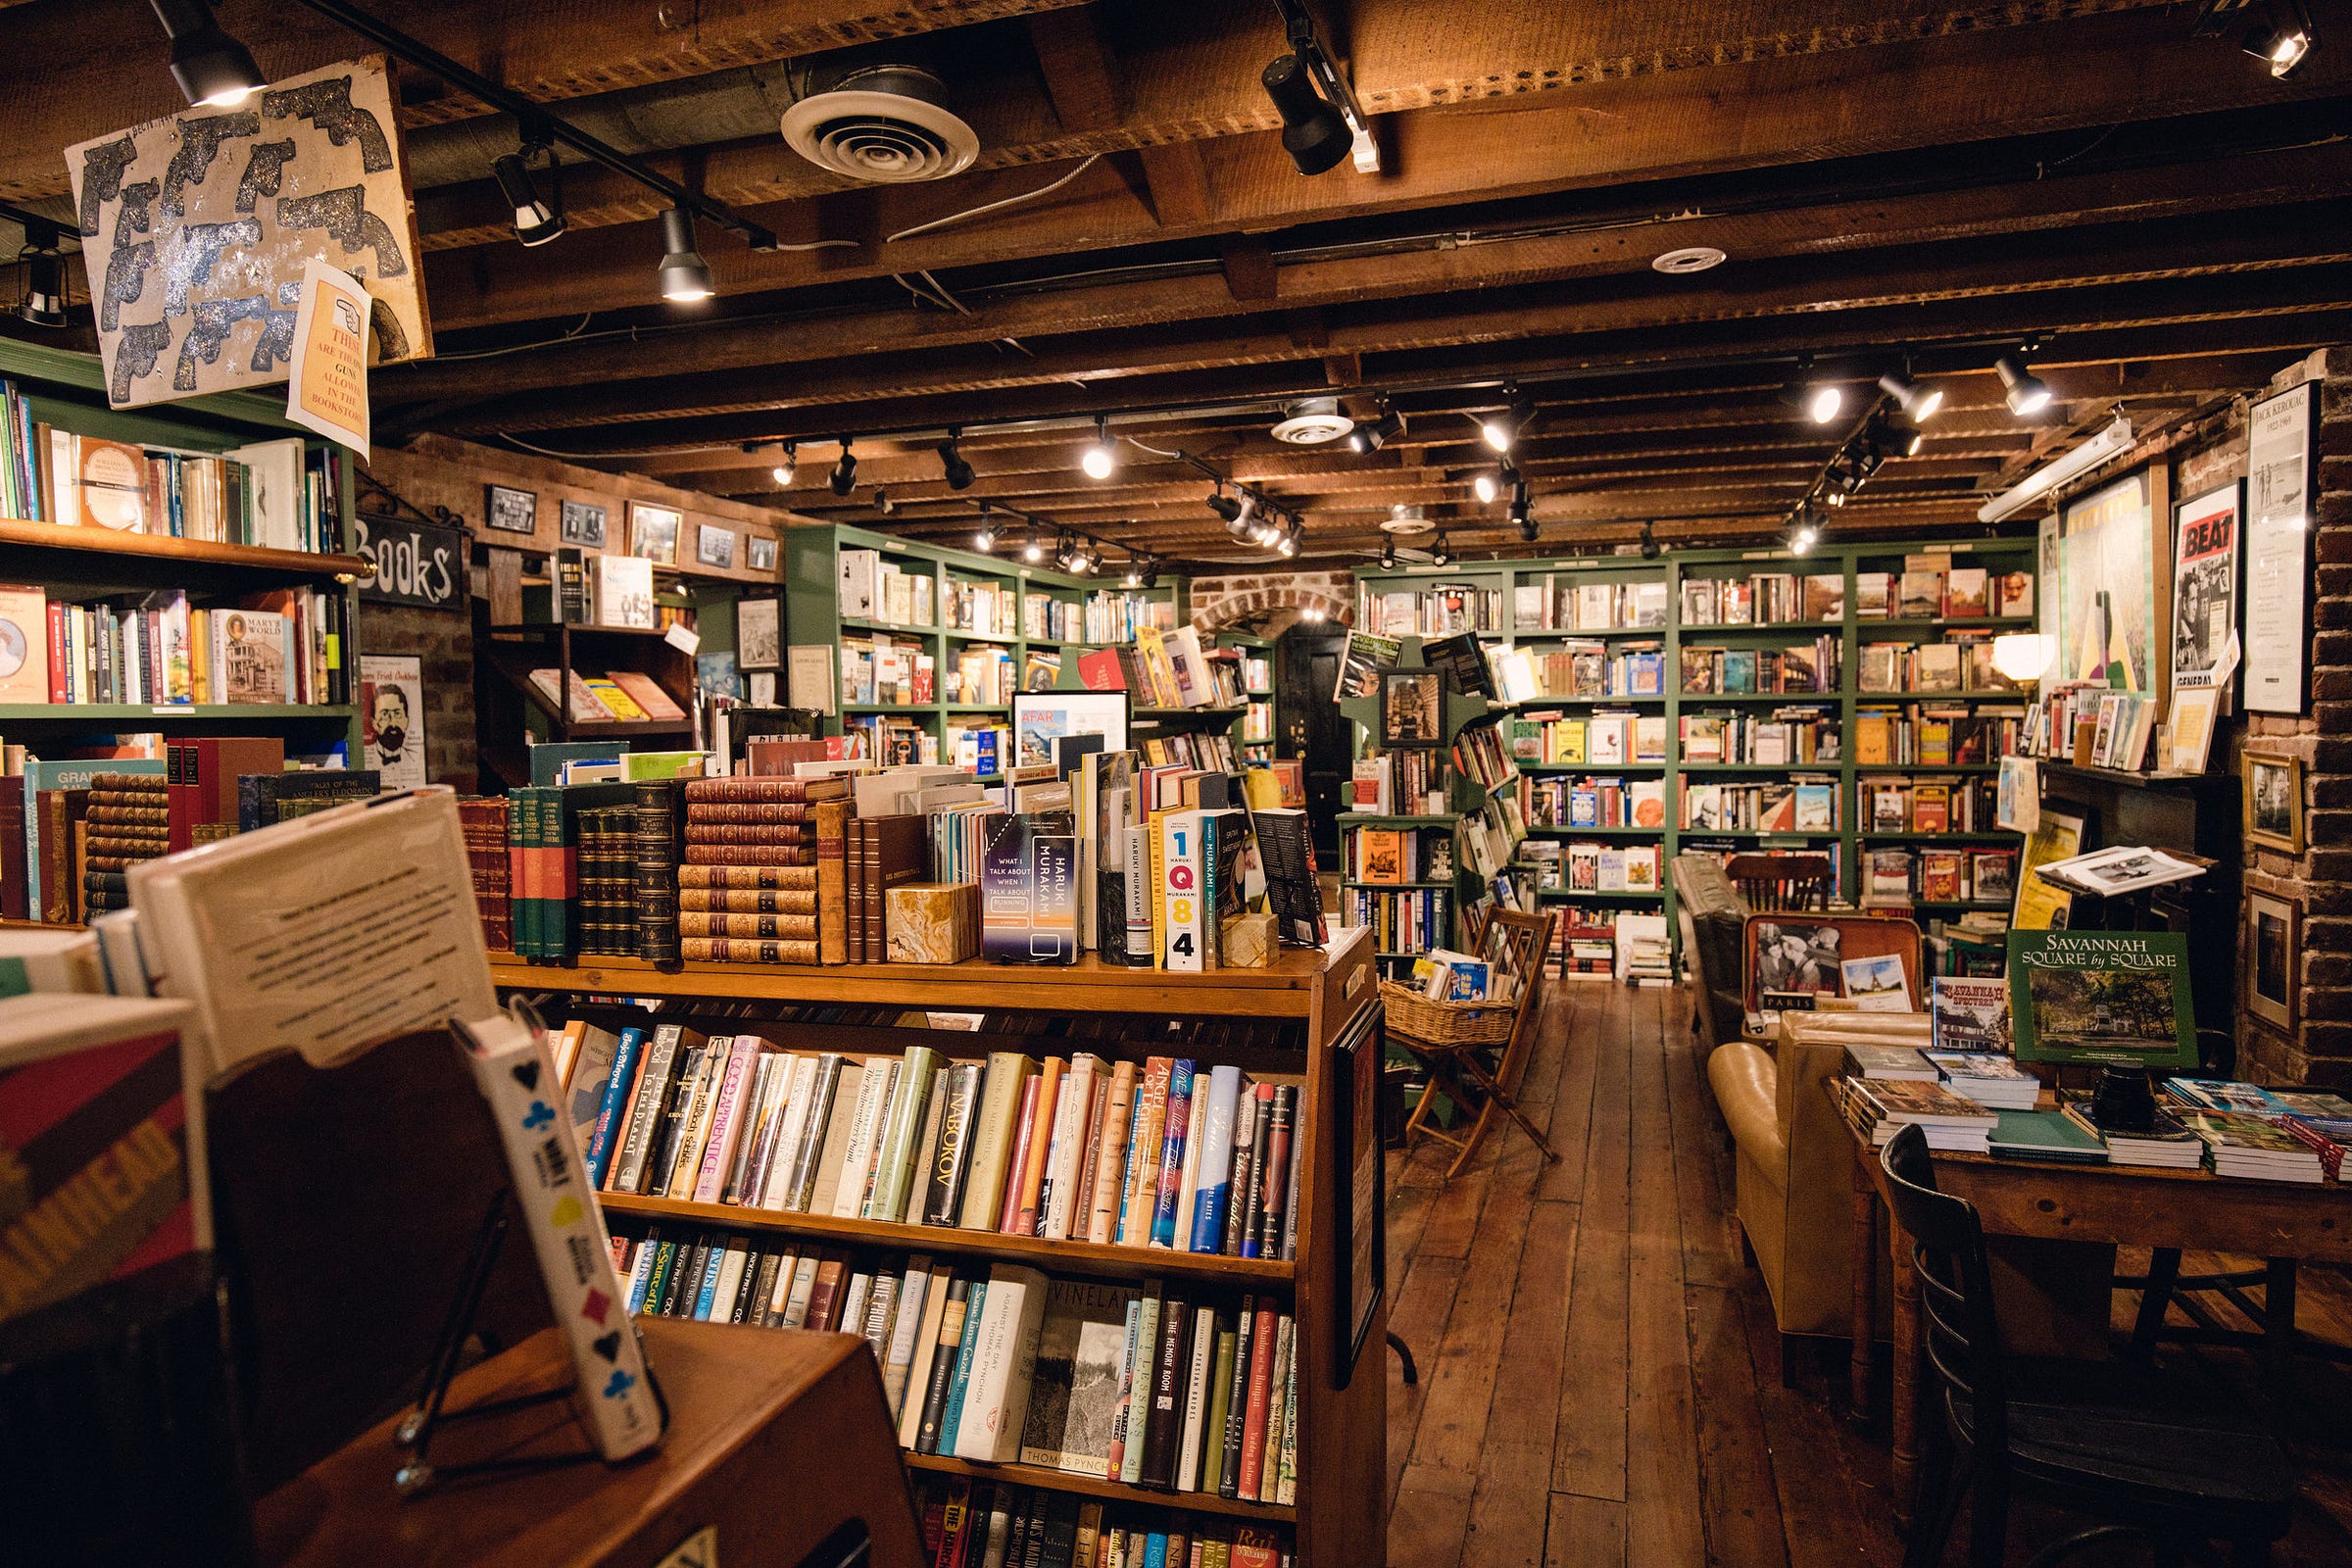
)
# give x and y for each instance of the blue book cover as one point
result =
(1171, 1153)
(708, 1295)
(1216, 1160)
(1156, 1551)
(616, 1092)
(951, 1415)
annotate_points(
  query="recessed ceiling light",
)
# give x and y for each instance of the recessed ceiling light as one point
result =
(1311, 421)
(1404, 519)
(1689, 259)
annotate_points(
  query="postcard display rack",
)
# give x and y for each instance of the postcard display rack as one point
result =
(1487, 598)
(1078, 612)
(1313, 1017)
(85, 564)
(1456, 886)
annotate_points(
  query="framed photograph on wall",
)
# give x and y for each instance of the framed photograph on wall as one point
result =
(1039, 719)
(714, 546)
(2109, 601)
(2205, 541)
(757, 634)
(583, 524)
(761, 551)
(2275, 801)
(653, 534)
(511, 511)
(2273, 944)
(2278, 527)
(1412, 708)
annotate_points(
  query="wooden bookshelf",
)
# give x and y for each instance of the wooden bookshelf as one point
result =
(1078, 1258)
(97, 714)
(1031, 1475)
(16, 532)
(1331, 992)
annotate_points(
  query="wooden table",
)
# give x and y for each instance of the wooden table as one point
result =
(775, 1438)
(2193, 1210)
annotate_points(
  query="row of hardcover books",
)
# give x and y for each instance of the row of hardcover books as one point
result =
(999, 1362)
(1150, 1155)
(970, 1524)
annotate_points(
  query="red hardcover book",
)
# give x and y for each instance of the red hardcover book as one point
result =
(1261, 1398)
(1099, 671)
(222, 759)
(1024, 1139)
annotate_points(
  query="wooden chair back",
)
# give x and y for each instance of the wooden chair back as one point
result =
(1955, 1295)
(1703, 1012)
(1781, 881)
(345, 1202)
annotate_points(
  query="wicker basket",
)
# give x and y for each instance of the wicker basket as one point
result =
(1421, 1021)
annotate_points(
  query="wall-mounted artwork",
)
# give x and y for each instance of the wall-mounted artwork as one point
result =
(195, 228)
(584, 525)
(2108, 630)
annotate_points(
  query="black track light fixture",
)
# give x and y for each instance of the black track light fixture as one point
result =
(535, 222)
(1801, 534)
(883, 503)
(1523, 513)
(1033, 549)
(1290, 539)
(1821, 401)
(1439, 554)
(1486, 486)
(1313, 130)
(1369, 437)
(1101, 458)
(789, 468)
(2276, 32)
(959, 472)
(1224, 506)
(983, 537)
(844, 477)
(1918, 401)
(1499, 430)
(45, 302)
(685, 278)
(1388, 552)
(2028, 394)
(1651, 548)
(1135, 575)
(213, 70)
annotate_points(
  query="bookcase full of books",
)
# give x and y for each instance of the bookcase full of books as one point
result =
(930, 642)
(892, 1204)
(1842, 704)
(181, 572)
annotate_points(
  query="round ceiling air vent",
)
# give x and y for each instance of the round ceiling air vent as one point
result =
(1689, 259)
(887, 125)
(1404, 519)
(1311, 421)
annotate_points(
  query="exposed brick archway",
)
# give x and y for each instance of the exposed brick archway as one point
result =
(1226, 601)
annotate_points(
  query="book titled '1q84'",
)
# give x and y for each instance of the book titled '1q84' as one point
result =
(518, 1078)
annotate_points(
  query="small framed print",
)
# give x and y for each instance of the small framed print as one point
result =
(511, 511)
(762, 551)
(714, 546)
(653, 534)
(2274, 942)
(1412, 708)
(2274, 801)
(583, 524)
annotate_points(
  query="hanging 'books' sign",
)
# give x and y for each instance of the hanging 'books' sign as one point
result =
(195, 229)
(2119, 999)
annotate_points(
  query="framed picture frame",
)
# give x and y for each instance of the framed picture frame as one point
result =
(583, 524)
(2273, 949)
(1039, 719)
(2113, 602)
(714, 546)
(2207, 531)
(508, 510)
(1412, 708)
(654, 532)
(2274, 784)
(2281, 463)
(758, 634)
(760, 551)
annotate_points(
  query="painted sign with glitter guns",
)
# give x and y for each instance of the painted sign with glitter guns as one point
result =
(195, 229)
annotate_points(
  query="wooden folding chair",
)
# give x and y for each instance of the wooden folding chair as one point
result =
(1461, 1071)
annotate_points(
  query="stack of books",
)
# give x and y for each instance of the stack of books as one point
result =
(2165, 1144)
(1989, 1078)
(2240, 1144)
(1879, 1109)
(1888, 1063)
(975, 1521)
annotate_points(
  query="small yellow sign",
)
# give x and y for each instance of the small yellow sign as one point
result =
(328, 391)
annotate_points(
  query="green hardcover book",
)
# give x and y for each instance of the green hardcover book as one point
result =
(1220, 1402)
(2118, 999)
(2044, 1135)
(908, 1105)
(951, 1416)
(657, 1287)
(527, 921)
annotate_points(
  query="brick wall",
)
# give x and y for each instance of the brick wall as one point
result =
(2320, 1049)
(443, 642)
(1272, 598)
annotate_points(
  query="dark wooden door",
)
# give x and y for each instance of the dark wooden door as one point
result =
(1307, 724)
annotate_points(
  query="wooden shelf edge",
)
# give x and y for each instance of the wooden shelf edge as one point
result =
(162, 546)
(1124, 1263)
(1030, 1475)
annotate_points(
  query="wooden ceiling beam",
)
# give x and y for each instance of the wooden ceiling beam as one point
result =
(99, 65)
(2094, 72)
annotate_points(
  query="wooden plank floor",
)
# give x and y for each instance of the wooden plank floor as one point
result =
(1600, 1376)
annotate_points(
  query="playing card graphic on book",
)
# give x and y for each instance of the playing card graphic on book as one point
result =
(518, 1078)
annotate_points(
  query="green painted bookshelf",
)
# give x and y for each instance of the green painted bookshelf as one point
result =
(1486, 597)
